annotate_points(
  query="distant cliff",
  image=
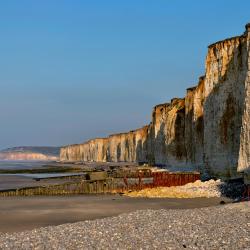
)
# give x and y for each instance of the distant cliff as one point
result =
(208, 130)
(30, 153)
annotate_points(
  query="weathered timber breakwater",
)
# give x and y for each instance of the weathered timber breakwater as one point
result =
(208, 130)
(99, 182)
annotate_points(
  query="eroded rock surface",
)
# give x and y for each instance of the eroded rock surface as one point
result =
(208, 130)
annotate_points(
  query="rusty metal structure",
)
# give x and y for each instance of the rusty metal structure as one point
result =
(148, 179)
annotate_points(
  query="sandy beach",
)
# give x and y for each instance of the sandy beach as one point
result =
(216, 227)
(26, 213)
(15, 182)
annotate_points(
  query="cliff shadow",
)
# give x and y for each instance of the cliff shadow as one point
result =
(156, 150)
(194, 125)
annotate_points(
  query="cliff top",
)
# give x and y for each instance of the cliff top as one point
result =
(201, 78)
(225, 40)
(161, 105)
(131, 131)
(191, 88)
(176, 100)
(247, 26)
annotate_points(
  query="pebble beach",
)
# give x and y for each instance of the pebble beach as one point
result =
(196, 189)
(218, 227)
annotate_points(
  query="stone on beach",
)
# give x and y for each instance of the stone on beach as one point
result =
(206, 189)
(221, 227)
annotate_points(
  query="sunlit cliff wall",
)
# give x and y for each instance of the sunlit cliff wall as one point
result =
(244, 156)
(208, 130)
(128, 147)
(225, 101)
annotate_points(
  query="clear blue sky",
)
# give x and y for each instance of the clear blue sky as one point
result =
(73, 70)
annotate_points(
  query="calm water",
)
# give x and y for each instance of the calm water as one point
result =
(42, 175)
(14, 165)
(14, 181)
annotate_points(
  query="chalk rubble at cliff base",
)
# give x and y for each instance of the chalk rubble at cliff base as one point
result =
(221, 227)
(196, 189)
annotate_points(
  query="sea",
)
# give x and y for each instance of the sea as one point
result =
(15, 165)
(18, 180)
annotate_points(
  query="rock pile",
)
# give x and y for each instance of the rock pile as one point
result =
(197, 189)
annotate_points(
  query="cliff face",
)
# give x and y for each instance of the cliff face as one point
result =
(166, 136)
(128, 147)
(194, 124)
(225, 90)
(209, 129)
(244, 155)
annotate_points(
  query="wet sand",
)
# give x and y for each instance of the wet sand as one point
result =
(25, 213)
(15, 182)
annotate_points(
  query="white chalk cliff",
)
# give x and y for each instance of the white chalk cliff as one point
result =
(208, 130)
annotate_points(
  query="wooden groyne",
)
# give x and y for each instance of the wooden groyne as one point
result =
(108, 185)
